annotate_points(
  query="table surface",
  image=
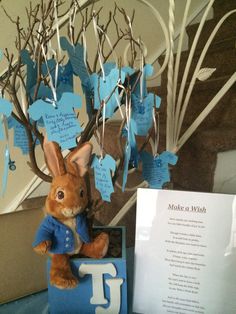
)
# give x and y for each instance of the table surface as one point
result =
(38, 303)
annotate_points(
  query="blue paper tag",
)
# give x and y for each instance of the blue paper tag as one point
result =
(20, 136)
(156, 169)
(76, 56)
(127, 154)
(31, 70)
(64, 79)
(1, 54)
(61, 123)
(104, 88)
(147, 71)
(141, 117)
(108, 66)
(5, 170)
(133, 161)
(128, 70)
(5, 108)
(102, 173)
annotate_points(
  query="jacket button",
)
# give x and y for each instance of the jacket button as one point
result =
(67, 245)
(67, 231)
(67, 239)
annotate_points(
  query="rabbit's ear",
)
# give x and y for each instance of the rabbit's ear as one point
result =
(77, 161)
(54, 158)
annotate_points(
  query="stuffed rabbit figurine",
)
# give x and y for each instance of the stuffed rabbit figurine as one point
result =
(64, 230)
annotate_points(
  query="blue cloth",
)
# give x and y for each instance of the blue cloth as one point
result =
(60, 235)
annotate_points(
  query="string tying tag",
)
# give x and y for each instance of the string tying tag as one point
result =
(100, 58)
(57, 28)
(53, 88)
(156, 124)
(72, 16)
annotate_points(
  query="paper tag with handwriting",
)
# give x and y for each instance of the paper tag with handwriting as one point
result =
(103, 90)
(61, 123)
(102, 173)
(20, 136)
(141, 117)
(5, 108)
(156, 169)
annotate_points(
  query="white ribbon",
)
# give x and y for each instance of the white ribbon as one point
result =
(53, 88)
(72, 16)
(156, 131)
(95, 26)
(57, 28)
(85, 46)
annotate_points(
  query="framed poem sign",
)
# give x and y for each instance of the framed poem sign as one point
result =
(185, 253)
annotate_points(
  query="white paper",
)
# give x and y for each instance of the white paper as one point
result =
(185, 260)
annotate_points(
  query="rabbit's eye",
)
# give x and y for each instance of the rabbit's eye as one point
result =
(81, 193)
(60, 195)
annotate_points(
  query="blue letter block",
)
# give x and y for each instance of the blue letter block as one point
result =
(102, 286)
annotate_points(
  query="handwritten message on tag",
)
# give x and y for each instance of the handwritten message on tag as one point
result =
(20, 136)
(156, 169)
(61, 123)
(5, 108)
(141, 117)
(102, 173)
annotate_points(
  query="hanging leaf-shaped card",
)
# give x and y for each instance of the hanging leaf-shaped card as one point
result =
(105, 89)
(61, 123)
(141, 117)
(5, 108)
(102, 173)
(156, 169)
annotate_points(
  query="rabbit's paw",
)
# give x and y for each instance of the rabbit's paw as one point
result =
(43, 247)
(64, 281)
(98, 248)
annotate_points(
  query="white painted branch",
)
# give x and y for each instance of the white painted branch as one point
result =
(177, 62)
(189, 61)
(206, 111)
(198, 66)
(166, 35)
(170, 104)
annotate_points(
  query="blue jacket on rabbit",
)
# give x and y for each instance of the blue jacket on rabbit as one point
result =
(60, 235)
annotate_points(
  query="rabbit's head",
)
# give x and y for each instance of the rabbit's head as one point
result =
(68, 194)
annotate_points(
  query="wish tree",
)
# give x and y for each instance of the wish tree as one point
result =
(39, 98)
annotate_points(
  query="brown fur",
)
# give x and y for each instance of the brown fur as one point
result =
(68, 177)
